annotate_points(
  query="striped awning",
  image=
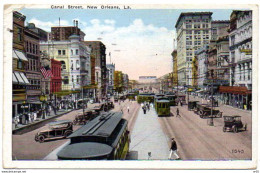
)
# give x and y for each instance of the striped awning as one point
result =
(19, 55)
(20, 78)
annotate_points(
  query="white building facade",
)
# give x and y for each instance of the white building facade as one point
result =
(240, 45)
(75, 59)
(193, 31)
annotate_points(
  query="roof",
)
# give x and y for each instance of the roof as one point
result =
(162, 101)
(100, 126)
(191, 14)
(84, 150)
(235, 90)
(59, 122)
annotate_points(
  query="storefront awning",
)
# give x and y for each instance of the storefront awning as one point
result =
(234, 90)
(24, 78)
(15, 81)
(21, 78)
(19, 55)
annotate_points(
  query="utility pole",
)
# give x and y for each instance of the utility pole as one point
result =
(211, 123)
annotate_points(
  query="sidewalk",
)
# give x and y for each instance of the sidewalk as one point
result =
(191, 97)
(148, 137)
(40, 120)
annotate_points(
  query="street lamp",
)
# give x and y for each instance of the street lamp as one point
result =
(43, 99)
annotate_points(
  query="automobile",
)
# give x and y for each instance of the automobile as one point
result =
(55, 130)
(233, 123)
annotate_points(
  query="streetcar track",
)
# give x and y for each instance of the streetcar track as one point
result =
(207, 135)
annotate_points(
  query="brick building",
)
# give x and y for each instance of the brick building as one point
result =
(98, 52)
(32, 49)
(60, 33)
(56, 79)
(20, 61)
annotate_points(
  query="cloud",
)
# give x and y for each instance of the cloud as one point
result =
(47, 25)
(137, 49)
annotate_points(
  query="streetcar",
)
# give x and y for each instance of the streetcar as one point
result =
(131, 96)
(172, 99)
(145, 97)
(104, 138)
(162, 107)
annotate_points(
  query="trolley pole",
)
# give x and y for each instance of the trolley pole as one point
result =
(211, 123)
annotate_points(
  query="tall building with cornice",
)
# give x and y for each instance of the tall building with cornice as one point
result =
(193, 31)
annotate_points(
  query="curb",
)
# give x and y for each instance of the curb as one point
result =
(28, 127)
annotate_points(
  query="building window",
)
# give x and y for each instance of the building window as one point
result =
(72, 65)
(19, 34)
(36, 49)
(20, 64)
(63, 52)
(77, 51)
(59, 52)
(71, 52)
(63, 65)
(188, 26)
(78, 79)
(77, 65)
(66, 80)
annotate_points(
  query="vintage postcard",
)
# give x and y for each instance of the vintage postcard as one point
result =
(128, 86)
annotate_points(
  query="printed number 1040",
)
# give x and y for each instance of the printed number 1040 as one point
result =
(237, 151)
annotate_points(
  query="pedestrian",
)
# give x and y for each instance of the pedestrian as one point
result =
(144, 109)
(173, 149)
(34, 115)
(178, 113)
(128, 108)
(16, 120)
(54, 109)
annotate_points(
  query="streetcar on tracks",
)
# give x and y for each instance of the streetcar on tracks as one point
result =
(104, 138)
(145, 97)
(172, 99)
(162, 107)
(131, 95)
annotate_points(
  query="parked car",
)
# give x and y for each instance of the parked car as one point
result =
(54, 130)
(233, 123)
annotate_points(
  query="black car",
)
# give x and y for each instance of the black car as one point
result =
(233, 123)
(54, 130)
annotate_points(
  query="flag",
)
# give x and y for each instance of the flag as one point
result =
(46, 72)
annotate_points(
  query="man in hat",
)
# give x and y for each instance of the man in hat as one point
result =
(173, 149)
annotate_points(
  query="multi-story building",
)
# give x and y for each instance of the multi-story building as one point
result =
(99, 53)
(33, 73)
(239, 94)
(60, 33)
(56, 79)
(175, 68)
(75, 62)
(193, 31)
(20, 61)
(110, 77)
(202, 58)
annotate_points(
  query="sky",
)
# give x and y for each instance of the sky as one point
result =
(140, 41)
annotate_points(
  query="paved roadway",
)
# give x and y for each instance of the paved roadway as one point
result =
(24, 146)
(198, 141)
(148, 136)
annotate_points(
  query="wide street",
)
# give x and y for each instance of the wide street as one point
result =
(26, 148)
(198, 141)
